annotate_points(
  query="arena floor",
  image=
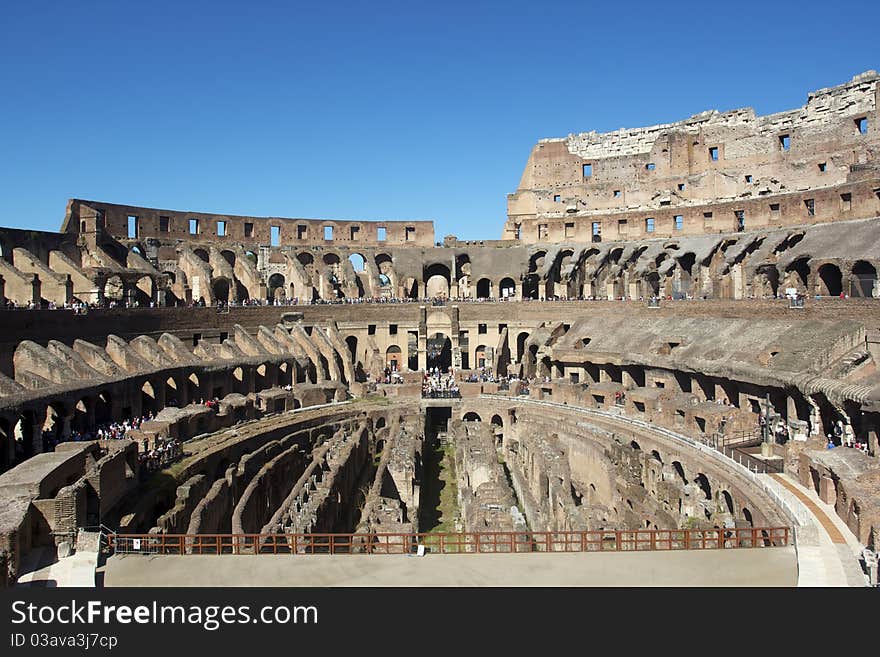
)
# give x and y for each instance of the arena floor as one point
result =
(746, 567)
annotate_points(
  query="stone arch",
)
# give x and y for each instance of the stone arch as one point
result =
(114, 288)
(437, 280)
(193, 387)
(864, 280)
(172, 394)
(275, 287)
(358, 262)
(829, 281)
(471, 416)
(393, 358)
(521, 345)
(220, 287)
(201, 254)
(703, 482)
(799, 273)
(507, 288)
(148, 399)
(483, 289)
(228, 256)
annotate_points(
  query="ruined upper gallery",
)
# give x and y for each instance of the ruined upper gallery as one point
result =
(715, 172)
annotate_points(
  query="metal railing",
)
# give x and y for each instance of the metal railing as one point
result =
(636, 540)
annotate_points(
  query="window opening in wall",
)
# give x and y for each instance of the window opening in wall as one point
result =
(556, 198)
(785, 142)
(193, 226)
(275, 235)
(542, 231)
(616, 193)
(248, 229)
(621, 225)
(301, 232)
(811, 207)
(481, 328)
(223, 336)
(164, 224)
(649, 224)
(740, 219)
(846, 201)
(681, 187)
(132, 226)
(713, 153)
(679, 221)
(392, 329)
(823, 166)
(221, 229)
(666, 202)
(569, 229)
(650, 166)
(707, 215)
(501, 328)
(371, 329)
(381, 233)
(588, 170)
(196, 338)
(862, 125)
(774, 208)
(574, 377)
(517, 231)
(409, 233)
(354, 232)
(597, 231)
(748, 178)
(328, 232)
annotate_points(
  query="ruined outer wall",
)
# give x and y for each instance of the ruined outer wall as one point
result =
(705, 169)
(88, 216)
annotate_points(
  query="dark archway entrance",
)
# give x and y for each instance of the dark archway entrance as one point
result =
(439, 352)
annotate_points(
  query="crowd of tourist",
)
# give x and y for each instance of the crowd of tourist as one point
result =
(439, 385)
(104, 431)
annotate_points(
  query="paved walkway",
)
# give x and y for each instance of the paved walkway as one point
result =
(827, 551)
(736, 567)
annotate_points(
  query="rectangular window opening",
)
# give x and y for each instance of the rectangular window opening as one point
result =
(810, 204)
(713, 153)
(862, 125)
(381, 233)
(679, 222)
(302, 232)
(597, 231)
(846, 202)
(740, 219)
(588, 170)
(707, 216)
(409, 233)
(371, 329)
(481, 328)
(392, 329)
(542, 231)
(132, 226)
(354, 232)
(748, 177)
(616, 193)
(649, 224)
(164, 224)
(275, 235)
(221, 229)
(248, 229)
(193, 226)
(328, 232)
(785, 142)
(557, 198)
(650, 166)
(774, 208)
(569, 229)
(681, 187)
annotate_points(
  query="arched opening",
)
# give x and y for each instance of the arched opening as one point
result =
(864, 280)
(507, 288)
(728, 501)
(830, 283)
(521, 345)
(436, 279)
(439, 352)
(229, 257)
(656, 455)
(634, 445)
(103, 408)
(220, 287)
(148, 399)
(251, 257)
(201, 254)
(747, 516)
(260, 378)
(193, 388)
(275, 287)
(238, 384)
(799, 273)
(144, 290)
(471, 417)
(393, 358)
(114, 289)
(172, 397)
(703, 482)
(679, 470)
(358, 262)
(483, 287)
(352, 343)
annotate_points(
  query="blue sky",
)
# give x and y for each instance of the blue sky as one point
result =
(373, 111)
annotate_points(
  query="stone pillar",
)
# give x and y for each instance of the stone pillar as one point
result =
(423, 338)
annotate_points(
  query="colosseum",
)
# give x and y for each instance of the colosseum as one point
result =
(663, 372)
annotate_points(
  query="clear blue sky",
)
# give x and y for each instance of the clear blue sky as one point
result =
(373, 110)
